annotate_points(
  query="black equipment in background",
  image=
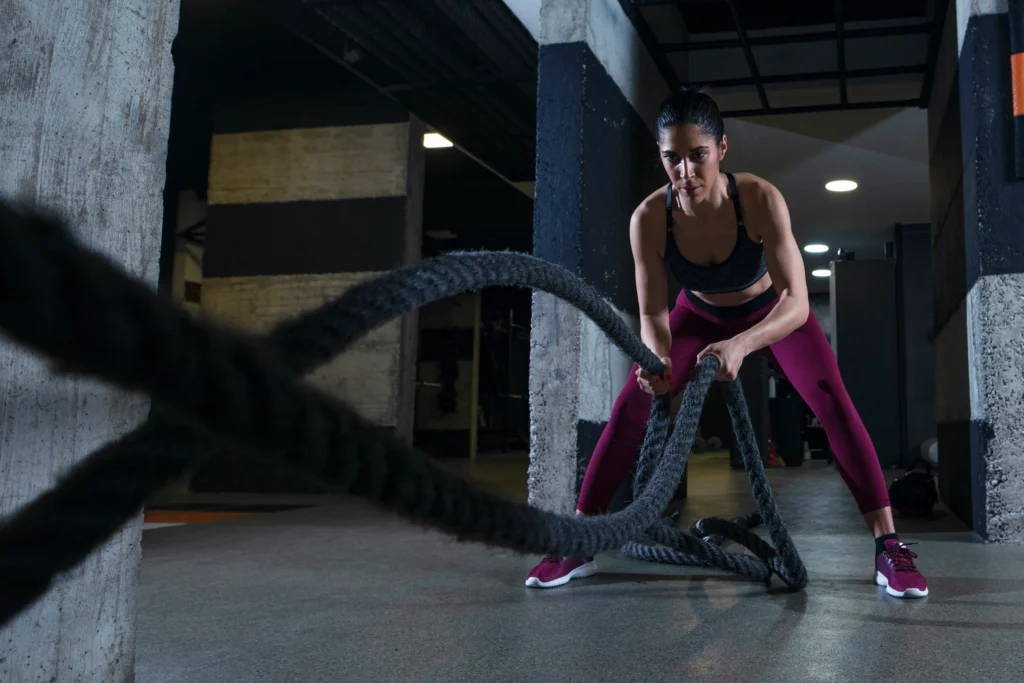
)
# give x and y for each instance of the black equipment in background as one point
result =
(914, 494)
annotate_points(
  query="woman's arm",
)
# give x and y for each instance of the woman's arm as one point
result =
(786, 268)
(651, 285)
(652, 295)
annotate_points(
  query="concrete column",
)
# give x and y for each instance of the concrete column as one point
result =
(85, 95)
(598, 93)
(299, 211)
(978, 257)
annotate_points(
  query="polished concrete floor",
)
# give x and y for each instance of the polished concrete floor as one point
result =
(340, 592)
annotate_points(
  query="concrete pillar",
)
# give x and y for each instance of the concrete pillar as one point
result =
(305, 201)
(978, 257)
(598, 92)
(85, 94)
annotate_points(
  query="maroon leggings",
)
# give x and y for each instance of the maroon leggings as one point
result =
(804, 358)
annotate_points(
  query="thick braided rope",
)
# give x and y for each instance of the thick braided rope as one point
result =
(785, 561)
(675, 547)
(207, 383)
(707, 528)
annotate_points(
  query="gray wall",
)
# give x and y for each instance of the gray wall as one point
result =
(84, 117)
(865, 342)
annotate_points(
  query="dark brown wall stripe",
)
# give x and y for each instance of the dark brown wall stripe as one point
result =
(348, 235)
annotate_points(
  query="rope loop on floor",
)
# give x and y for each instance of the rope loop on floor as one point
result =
(213, 387)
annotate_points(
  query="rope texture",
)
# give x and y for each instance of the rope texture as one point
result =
(210, 385)
(674, 547)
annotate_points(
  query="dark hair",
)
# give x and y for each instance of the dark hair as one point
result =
(691, 105)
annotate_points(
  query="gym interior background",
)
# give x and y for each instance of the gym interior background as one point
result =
(312, 145)
(263, 90)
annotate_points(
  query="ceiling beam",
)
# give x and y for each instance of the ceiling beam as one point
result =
(814, 108)
(463, 83)
(795, 38)
(748, 53)
(840, 51)
(819, 76)
(934, 39)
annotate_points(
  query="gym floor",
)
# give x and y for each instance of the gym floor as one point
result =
(332, 590)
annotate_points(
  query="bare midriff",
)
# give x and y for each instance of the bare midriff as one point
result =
(740, 297)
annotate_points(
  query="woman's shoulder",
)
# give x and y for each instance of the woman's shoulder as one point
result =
(648, 223)
(653, 205)
(755, 190)
(763, 204)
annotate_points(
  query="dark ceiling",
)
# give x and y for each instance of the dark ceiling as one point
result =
(751, 25)
(468, 69)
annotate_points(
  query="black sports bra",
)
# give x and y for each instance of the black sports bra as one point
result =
(742, 268)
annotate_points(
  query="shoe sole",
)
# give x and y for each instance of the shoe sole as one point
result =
(908, 593)
(581, 572)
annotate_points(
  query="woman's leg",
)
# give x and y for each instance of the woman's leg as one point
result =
(619, 444)
(809, 364)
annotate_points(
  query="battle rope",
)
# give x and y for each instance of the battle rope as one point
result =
(714, 530)
(209, 384)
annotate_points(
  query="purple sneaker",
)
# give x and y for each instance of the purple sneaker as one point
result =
(895, 570)
(556, 571)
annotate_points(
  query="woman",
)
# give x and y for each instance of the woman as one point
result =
(727, 240)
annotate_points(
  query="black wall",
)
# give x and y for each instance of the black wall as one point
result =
(916, 343)
(949, 289)
(976, 210)
(993, 237)
(596, 161)
(865, 339)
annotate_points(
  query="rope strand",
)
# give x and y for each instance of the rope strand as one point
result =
(211, 385)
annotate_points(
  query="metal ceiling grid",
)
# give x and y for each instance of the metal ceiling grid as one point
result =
(757, 23)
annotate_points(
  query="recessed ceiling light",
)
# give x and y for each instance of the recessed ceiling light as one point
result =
(435, 140)
(841, 185)
(821, 272)
(815, 248)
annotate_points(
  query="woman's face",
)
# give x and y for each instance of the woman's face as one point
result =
(691, 159)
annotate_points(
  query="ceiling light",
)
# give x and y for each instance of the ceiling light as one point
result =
(816, 248)
(841, 186)
(435, 140)
(821, 272)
